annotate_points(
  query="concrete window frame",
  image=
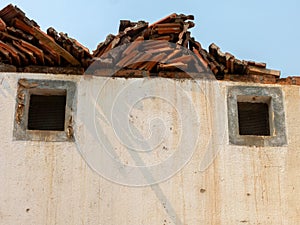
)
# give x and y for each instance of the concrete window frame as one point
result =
(272, 96)
(26, 87)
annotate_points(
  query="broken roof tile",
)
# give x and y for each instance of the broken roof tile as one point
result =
(2, 25)
(23, 43)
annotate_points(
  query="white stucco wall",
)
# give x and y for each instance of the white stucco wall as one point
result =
(50, 182)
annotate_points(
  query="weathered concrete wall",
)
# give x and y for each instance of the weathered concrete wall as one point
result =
(50, 183)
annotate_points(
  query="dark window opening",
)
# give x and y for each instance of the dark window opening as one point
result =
(253, 119)
(47, 112)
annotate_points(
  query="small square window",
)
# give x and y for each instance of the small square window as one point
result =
(47, 112)
(44, 110)
(256, 116)
(253, 119)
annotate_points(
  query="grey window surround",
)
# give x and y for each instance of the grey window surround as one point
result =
(274, 98)
(26, 87)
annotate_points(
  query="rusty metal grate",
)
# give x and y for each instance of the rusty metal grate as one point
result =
(47, 112)
(253, 119)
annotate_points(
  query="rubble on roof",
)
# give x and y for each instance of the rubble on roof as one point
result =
(24, 45)
(165, 48)
(170, 35)
(155, 48)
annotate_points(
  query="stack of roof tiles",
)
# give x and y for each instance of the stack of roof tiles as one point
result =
(26, 48)
(165, 48)
(169, 33)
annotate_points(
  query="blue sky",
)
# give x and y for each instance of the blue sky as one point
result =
(266, 31)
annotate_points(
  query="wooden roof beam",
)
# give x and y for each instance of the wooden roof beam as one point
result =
(45, 39)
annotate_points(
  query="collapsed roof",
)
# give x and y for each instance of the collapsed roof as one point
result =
(165, 48)
(24, 47)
